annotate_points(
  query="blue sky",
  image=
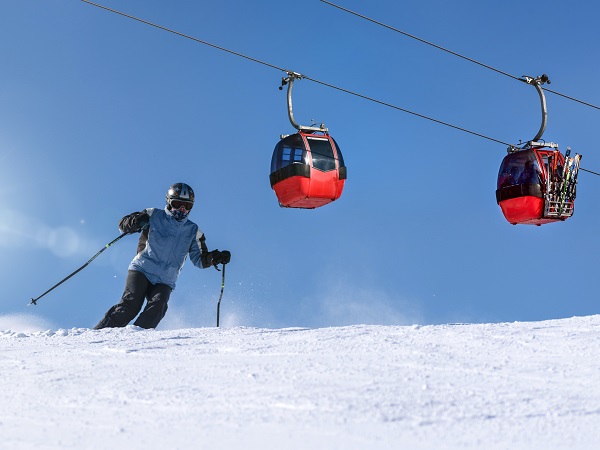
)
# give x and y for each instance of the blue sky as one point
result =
(99, 114)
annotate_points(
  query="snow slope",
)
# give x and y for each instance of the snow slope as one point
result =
(507, 385)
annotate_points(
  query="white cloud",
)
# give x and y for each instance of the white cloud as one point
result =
(62, 241)
(10, 236)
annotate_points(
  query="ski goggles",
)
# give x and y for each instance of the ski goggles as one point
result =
(177, 204)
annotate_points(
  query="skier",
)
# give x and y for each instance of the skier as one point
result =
(167, 237)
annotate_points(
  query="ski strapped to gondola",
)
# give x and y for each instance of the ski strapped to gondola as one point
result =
(568, 183)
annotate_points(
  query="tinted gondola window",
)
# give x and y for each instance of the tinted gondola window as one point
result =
(322, 154)
(519, 168)
(288, 151)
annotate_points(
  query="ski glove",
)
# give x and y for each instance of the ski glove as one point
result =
(142, 221)
(134, 223)
(220, 257)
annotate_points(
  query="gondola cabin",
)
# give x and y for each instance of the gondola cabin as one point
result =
(533, 186)
(307, 170)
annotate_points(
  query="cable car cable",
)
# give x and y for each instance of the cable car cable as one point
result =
(452, 52)
(405, 110)
(301, 76)
(590, 171)
(182, 34)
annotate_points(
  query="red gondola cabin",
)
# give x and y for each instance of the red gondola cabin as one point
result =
(307, 170)
(534, 187)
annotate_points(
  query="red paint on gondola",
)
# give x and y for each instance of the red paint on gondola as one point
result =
(524, 210)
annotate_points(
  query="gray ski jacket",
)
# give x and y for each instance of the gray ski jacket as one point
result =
(165, 244)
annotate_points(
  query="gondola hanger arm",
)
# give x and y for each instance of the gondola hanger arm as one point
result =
(289, 81)
(537, 83)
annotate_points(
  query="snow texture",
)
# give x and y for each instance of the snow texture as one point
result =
(524, 385)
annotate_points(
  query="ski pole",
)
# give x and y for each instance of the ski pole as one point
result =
(221, 295)
(34, 300)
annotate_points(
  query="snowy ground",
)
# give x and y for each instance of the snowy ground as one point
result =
(509, 385)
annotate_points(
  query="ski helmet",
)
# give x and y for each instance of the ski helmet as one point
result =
(180, 195)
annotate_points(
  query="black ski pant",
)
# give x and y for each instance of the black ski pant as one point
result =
(138, 289)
